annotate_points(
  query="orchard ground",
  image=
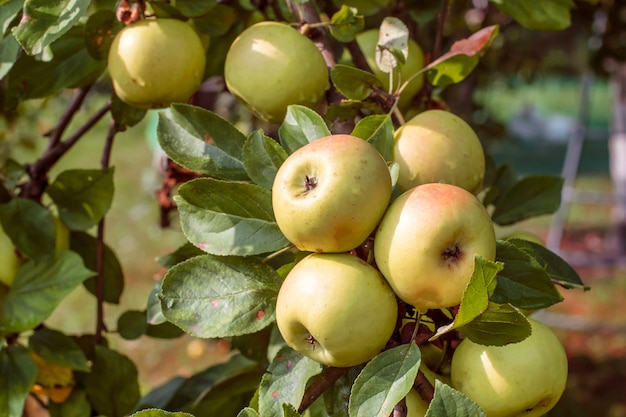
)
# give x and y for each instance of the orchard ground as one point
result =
(592, 325)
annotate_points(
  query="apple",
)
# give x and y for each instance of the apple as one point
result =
(271, 65)
(427, 241)
(62, 236)
(9, 261)
(336, 309)
(520, 379)
(438, 146)
(416, 406)
(329, 195)
(368, 41)
(156, 62)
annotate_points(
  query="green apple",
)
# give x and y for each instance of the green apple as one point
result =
(427, 241)
(520, 379)
(438, 146)
(62, 236)
(337, 309)
(329, 195)
(271, 65)
(415, 404)
(9, 261)
(368, 41)
(156, 62)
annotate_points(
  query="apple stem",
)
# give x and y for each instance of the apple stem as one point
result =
(400, 409)
(277, 253)
(323, 381)
(423, 386)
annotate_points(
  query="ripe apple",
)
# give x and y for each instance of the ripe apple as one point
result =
(156, 62)
(426, 243)
(270, 65)
(336, 309)
(438, 146)
(368, 41)
(329, 195)
(9, 261)
(520, 379)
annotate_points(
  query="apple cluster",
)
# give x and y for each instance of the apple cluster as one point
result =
(369, 243)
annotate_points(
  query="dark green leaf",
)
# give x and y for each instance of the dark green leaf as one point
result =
(161, 396)
(523, 282)
(254, 345)
(301, 126)
(228, 218)
(38, 289)
(210, 296)
(354, 83)
(163, 9)
(8, 12)
(154, 314)
(335, 397)
(502, 179)
(18, 370)
(112, 275)
(8, 54)
(543, 15)
(202, 141)
(112, 384)
(165, 330)
(531, 196)
(30, 226)
(217, 22)
(248, 412)
(44, 22)
(124, 114)
(346, 23)
(194, 8)
(385, 381)
(132, 324)
(183, 253)
(285, 381)
(76, 405)
(377, 130)
(449, 402)
(498, 327)
(56, 347)
(100, 30)
(262, 156)
(83, 196)
(153, 412)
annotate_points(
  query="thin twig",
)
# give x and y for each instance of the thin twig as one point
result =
(77, 101)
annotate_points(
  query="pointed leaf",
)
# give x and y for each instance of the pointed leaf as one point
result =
(543, 15)
(184, 252)
(44, 22)
(83, 196)
(262, 156)
(202, 141)
(285, 381)
(195, 8)
(210, 296)
(30, 226)
(498, 327)
(132, 324)
(18, 370)
(38, 289)
(290, 411)
(393, 36)
(58, 348)
(153, 412)
(301, 126)
(346, 23)
(9, 49)
(385, 381)
(248, 412)
(354, 83)
(378, 130)
(531, 196)
(112, 383)
(449, 402)
(228, 218)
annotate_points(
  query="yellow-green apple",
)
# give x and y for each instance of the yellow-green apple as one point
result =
(336, 309)
(438, 146)
(427, 241)
(520, 379)
(329, 195)
(271, 65)
(9, 261)
(416, 406)
(368, 41)
(156, 62)
(62, 236)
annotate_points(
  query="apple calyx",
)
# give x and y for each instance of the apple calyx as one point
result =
(452, 254)
(309, 183)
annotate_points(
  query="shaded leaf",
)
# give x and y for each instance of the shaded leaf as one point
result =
(377, 130)
(449, 402)
(543, 15)
(195, 8)
(124, 114)
(216, 23)
(153, 412)
(76, 405)
(30, 226)
(184, 252)
(346, 23)
(58, 348)
(301, 126)
(354, 83)
(16, 361)
(8, 12)
(531, 196)
(498, 327)
(100, 30)
(262, 156)
(9, 49)
(132, 324)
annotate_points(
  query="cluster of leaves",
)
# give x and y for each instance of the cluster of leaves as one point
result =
(224, 282)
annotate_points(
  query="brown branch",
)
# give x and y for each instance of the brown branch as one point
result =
(400, 409)
(424, 387)
(77, 101)
(323, 381)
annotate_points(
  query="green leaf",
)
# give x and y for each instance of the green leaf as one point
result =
(202, 141)
(9, 49)
(559, 271)
(543, 15)
(248, 412)
(378, 130)
(476, 296)
(393, 44)
(132, 324)
(30, 226)
(165, 330)
(285, 381)
(210, 296)
(112, 384)
(184, 252)
(498, 183)
(290, 411)
(216, 23)
(100, 30)
(262, 156)
(56, 347)
(385, 381)
(453, 66)
(498, 327)
(228, 218)
(83, 196)
(112, 275)
(18, 370)
(44, 22)
(354, 83)
(335, 396)
(38, 289)
(255, 345)
(8, 12)
(153, 412)
(523, 282)
(301, 126)
(531, 196)
(124, 114)
(346, 23)
(194, 8)
(76, 405)
(449, 402)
